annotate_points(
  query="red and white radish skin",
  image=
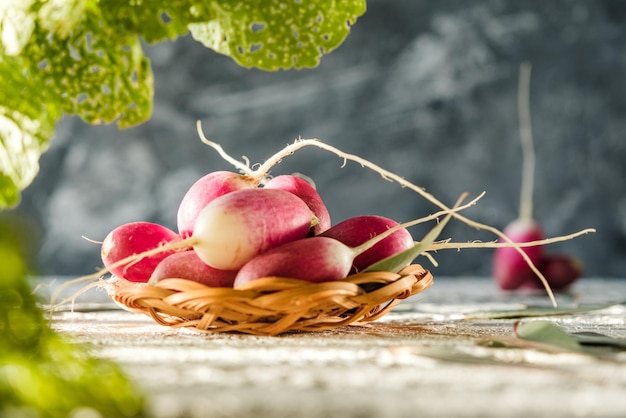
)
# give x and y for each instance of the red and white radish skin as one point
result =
(237, 226)
(509, 268)
(187, 265)
(205, 190)
(305, 191)
(359, 229)
(135, 238)
(313, 259)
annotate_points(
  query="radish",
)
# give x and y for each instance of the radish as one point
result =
(135, 238)
(187, 265)
(313, 259)
(509, 269)
(319, 259)
(561, 270)
(237, 226)
(359, 229)
(305, 191)
(203, 191)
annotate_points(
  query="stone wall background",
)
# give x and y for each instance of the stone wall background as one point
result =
(424, 89)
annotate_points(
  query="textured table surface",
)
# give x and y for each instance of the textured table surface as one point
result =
(426, 358)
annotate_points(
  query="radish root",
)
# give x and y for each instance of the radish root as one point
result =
(526, 137)
(442, 245)
(244, 167)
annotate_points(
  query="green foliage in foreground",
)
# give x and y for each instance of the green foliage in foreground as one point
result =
(41, 374)
(85, 58)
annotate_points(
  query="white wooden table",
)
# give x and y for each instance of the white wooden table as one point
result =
(424, 359)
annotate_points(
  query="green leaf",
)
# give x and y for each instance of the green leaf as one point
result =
(396, 262)
(62, 16)
(27, 120)
(154, 20)
(16, 24)
(277, 34)
(20, 148)
(548, 333)
(530, 312)
(97, 72)
(9, 192)
(42, 374)
(85, 58)
(597, 339)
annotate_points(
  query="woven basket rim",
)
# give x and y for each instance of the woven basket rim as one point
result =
(271, 305)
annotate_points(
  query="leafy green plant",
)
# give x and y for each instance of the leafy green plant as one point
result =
(85, 58)
(42, 374)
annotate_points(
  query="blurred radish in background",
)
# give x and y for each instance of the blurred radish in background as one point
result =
(509, 269)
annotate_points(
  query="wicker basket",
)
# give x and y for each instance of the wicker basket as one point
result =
(271, 305)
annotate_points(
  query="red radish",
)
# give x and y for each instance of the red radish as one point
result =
(187, 265)
(237, 226)
(203, 191)
(135, 238)
(510, 270)
(305, 191)
(245, 225)
(359, 229)
(561, 270)
(315, 259)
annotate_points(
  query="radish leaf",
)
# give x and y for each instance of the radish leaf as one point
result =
(547, 332)
(40, 371)
(396, 262)
(597, 339)
(530, 312)
(85, 58)
(271, 35)
(26, 123)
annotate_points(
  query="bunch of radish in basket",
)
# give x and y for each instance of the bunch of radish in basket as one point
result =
(236, 228)
(232, 230)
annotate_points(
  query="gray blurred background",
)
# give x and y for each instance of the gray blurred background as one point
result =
(425, 89)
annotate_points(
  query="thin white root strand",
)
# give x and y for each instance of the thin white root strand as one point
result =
(176, 245)
(447, 244)
(430, 258)
(444, 212)
(72, 299)
(242, 167)
(126, 262)
(93, 241)
(87, 278)
(457, 206)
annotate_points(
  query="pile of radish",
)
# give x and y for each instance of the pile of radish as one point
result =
(232, 230)
(237, 227)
